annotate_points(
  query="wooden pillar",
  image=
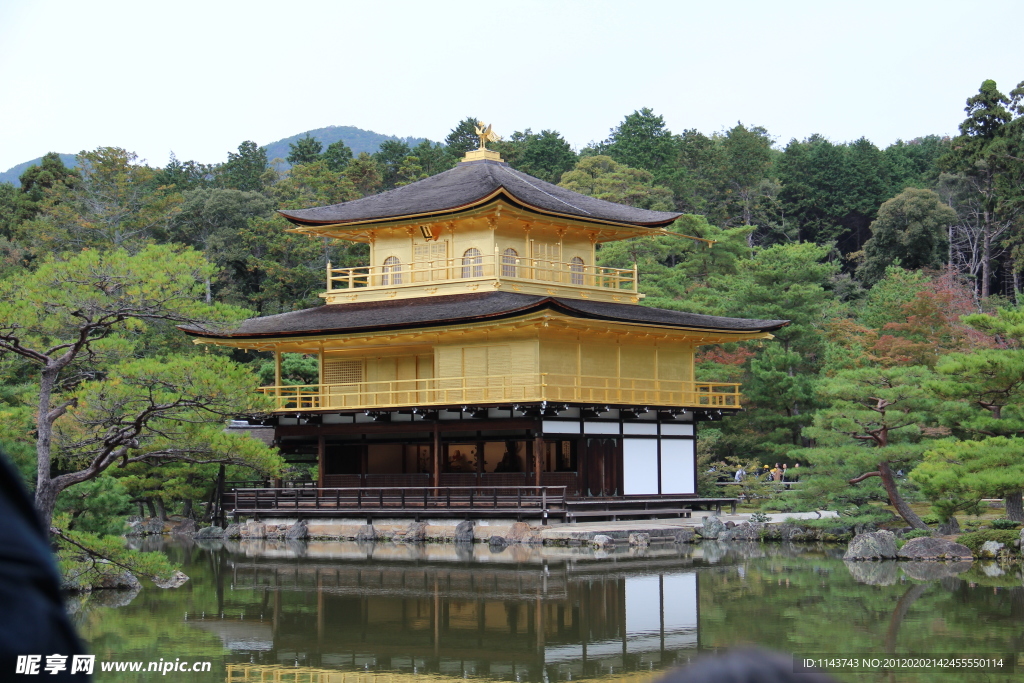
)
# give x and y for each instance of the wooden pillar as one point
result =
(437, 454)
(277, 370)
(538, 457)
(321, 453)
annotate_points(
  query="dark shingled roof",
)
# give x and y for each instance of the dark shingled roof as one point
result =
(455, 309)
(469, 183)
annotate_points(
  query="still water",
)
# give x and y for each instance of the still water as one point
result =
(335, 612)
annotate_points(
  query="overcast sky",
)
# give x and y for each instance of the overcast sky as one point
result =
(198, 78)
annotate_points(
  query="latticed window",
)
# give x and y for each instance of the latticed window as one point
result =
(392, 271)
(576, 271)
(339, 371)
(472, 263)
(509, 259)
(430, 261)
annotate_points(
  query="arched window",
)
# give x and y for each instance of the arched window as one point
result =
(509, 259)
(472, 263)
(392, 272)
(576, 271)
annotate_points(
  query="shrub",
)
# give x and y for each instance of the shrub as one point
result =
(975, 539)
(1005, 524)
(931, 520)
(916, 533)
(759, 517)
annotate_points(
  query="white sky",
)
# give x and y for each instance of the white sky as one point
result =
(198, 78)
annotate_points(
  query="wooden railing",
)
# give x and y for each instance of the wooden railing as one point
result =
(526, 387)
(487, 266)
(538, 501)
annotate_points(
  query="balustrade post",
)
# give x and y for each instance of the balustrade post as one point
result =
(329, 279)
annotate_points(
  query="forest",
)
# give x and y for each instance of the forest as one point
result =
(899, 379)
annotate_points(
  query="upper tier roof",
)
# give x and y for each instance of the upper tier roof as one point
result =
(453, 309)
(472, 183)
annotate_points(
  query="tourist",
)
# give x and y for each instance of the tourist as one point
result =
(740, 474)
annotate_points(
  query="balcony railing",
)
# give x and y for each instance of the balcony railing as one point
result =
(517, 388)
(484, 267)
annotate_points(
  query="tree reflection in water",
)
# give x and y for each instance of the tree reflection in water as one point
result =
(541, 614)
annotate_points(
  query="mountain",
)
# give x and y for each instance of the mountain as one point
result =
(357, 139)
(12, 174)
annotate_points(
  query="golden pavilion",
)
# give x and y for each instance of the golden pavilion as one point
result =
(484, 347)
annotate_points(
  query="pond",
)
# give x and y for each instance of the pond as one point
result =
(334, 612)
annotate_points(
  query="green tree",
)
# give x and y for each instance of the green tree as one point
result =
(957, 475)
(911, 228)
(748, 160)
(112, 204)
(79, 324)
(244, 170)
(604, 178)
(185, 175)
(210, 221)
(337, 156)
(883, 410)
(365, 174)
(432, 157)
(546, 156)
(979, 153)
(642, 141)
(461, 139)
(305, 150)
(389, 157)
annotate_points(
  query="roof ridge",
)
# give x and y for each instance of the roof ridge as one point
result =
(541, 189)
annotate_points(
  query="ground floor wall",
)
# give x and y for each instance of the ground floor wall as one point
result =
(607, 453)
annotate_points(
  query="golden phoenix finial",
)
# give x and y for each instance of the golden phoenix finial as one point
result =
(484, 132)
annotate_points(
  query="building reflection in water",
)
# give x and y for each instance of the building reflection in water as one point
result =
(525, 615)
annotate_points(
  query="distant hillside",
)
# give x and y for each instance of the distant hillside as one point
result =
(357, 139)
(12, 174)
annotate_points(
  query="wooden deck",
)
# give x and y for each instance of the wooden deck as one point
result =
(519, 502)
(458, 502)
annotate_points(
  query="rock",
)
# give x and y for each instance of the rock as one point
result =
(601, 541)
(122, 580)
(730, 524)
(497, 542)
(233, 531)
(933, 571)
(990, 549)
(115, 598)
(417, 533)
(876, 545)
(1020, 542)
(520, 532)
(639, 540)
(950, 528)
(254, 529)
(210, 532)
(185, 528)
(145, 527)
(712, 526)
(795, 532)
(298, 531)
(930, 548)
(684, 536)
(366, 533)
(176, 580)
(873, 573)
(992, 569)
(744, 531)
(464, 532)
